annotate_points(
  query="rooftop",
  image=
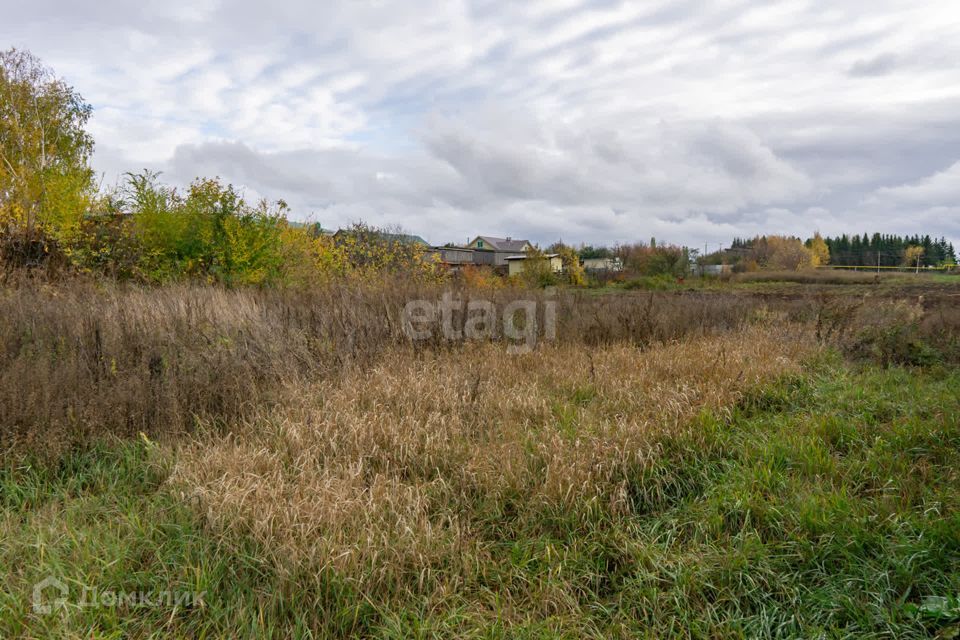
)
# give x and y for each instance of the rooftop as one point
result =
(503, 244)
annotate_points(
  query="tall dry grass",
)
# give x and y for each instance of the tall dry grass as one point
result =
(79, 360)
(407, 477)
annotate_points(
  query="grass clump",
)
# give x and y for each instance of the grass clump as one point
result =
(662, 282)
(837, 514)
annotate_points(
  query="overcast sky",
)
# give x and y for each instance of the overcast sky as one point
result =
(588, 121)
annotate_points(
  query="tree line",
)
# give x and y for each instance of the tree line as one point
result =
(890, 250)
(887, 250)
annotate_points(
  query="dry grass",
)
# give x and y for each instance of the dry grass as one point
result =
(78, 361)
(392, 477)
(668, 466)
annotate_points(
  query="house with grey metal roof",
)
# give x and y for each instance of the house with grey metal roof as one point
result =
(495, 251)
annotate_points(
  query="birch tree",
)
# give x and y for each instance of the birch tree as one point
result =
(45, 178)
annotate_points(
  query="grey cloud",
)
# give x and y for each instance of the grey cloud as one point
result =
(677, 167)
(939, 189)
(553, 181)
(878, 66)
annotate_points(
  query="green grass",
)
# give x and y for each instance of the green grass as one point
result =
(945, 278)
(827, 505)
(103, 519)
(832, 509)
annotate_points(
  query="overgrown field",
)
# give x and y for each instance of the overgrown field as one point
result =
(699, 464)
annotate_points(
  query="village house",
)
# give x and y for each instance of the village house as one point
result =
(483, 251)
(489, 250)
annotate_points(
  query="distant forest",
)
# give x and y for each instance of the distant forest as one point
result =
(892, 249)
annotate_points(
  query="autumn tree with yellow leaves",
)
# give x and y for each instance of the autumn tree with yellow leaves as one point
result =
(783, 253)
(46, 183)
(819, 250)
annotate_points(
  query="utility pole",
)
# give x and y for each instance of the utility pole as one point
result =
(918, 265)
(878, 263)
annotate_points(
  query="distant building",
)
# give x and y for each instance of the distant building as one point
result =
(602, 264)
(453, 257)
(711, 269)
(517, 264)
(493, 251)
